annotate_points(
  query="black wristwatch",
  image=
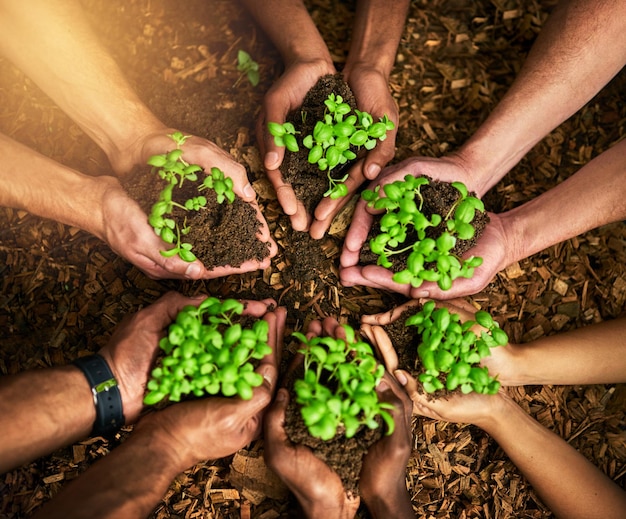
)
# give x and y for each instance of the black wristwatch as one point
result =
(106, 395)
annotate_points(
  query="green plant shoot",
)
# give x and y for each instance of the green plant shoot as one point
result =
(338, 386)
(172, 168)
(247, 66)
(431, 237)
(208, 352)
(450, 352)
(335, 140)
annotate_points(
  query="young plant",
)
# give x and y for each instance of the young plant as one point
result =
(334, 139)
(450, 352)
(174, 170)
(429, 258)
(208, 352)
(246, 65)
(338, 387)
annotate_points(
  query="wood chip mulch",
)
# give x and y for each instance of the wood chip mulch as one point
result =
(63, 291)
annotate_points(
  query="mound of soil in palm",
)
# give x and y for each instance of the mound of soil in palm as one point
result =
(343, 455)
(221, 234)
(306, 179)
(439, 197)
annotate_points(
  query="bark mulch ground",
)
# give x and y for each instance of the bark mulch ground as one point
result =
(63, 291)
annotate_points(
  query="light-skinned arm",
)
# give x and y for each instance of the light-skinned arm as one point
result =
(52, 43)
(569, 484)
(593, 354)
(594, 196)
(560, 75)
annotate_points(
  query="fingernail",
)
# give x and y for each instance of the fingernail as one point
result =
(267, 372)
(248, 191)
(271, 158)
(281, 396)
(383, 386)
(372, 171)
(193, 271)
(421, 294)
(401, 377)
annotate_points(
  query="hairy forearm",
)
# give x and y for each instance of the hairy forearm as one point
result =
(43, 187)
(594, 354)
(565, 480)
(291, 29)
(376, 34)
(593, 196)
(128, 482)
(52, 43)
(42, 410)
(580, 49)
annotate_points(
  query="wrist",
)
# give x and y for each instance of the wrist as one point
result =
(107, 399)
(496, 413)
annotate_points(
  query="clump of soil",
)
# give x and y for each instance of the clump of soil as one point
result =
(221, 234)
(308, 182)
(439, 197)
(343, 455)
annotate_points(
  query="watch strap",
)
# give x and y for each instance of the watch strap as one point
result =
(106, 395)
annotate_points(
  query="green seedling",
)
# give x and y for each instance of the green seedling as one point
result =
(430, 256)
(335, 140)
(450, 352)
(172, 168)
(208, 353)
(338, 387)
(246, 65)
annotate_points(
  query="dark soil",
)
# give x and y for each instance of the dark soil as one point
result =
(307, 181)
(62, 291)
(221, 234)
(343, 455)
(439, 197)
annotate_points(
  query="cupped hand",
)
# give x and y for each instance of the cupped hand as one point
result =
(371, 91)
(215, 427)
(126, 230)
(133, 346)
(472, 408)
(493, 245)
(317, 487)
(384, 467)
(285, 95)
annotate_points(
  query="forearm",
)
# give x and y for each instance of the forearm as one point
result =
(291, 29)
(376, 34)
(565, 480)
(594, 354)
(562, 72)
(43, 187)
(593, 196)
(128, 482)
(42, 410)
(53, 44)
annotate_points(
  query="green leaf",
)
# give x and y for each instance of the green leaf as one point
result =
(291, 143)
(461, 188)
(484, 319)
